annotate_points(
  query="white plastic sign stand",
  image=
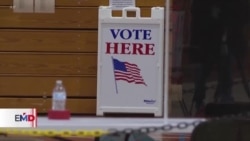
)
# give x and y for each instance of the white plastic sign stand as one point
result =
(130, 62)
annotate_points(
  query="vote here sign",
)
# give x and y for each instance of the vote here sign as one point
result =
(130, 62)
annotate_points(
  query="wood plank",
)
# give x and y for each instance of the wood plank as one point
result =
(94, 2)
(150, 3)
(6, 2)
(48, 40)
(62, 18)
(48, 64)
(23, 86)
(72, 18)
(76, 106)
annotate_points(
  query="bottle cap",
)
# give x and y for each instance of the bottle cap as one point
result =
(58, 81)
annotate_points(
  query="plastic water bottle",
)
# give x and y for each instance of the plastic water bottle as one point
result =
(59, 97)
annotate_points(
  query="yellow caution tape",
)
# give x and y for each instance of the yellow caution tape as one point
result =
(51, 133)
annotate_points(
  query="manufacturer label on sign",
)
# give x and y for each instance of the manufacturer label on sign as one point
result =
(130, 62)
(120, 4)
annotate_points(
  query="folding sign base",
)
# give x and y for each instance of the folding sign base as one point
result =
(130, 62)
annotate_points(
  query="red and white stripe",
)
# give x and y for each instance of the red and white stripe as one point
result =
(34, 113)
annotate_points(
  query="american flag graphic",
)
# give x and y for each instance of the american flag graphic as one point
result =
(127, 72)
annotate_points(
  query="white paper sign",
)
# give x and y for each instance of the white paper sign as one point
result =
(120, 4)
